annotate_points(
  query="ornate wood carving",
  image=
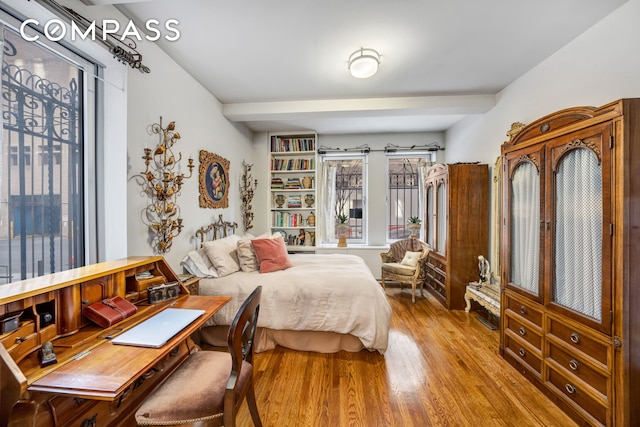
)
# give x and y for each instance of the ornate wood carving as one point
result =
(574, 144)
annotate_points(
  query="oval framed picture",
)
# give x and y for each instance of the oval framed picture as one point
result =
(214, 180)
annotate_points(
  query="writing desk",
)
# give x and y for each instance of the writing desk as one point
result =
(94, 382)
(106, 371)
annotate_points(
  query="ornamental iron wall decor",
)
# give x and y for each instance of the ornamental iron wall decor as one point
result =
(163, 185)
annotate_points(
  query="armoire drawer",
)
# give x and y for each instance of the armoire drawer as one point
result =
(524, 329)
(524, 309)
(523, 353)
(563, 385)
(575, 365)
(580, 339)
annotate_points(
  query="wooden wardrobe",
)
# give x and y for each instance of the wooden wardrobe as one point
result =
(457, 228)
(570, 306)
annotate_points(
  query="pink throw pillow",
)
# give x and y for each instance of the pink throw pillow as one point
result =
(272, 254)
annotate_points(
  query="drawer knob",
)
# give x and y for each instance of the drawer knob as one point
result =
(575, 338)
(523, 331)
(570, 389)
(522, 352)
(573, 364)
(523, 309)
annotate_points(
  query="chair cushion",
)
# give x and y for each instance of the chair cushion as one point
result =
(397, 268)
(411, 258)
(195, 391)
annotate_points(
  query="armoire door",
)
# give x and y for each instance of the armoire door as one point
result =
(579, 226)
(523, 225)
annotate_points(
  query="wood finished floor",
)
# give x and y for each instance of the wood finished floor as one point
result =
(442, 368)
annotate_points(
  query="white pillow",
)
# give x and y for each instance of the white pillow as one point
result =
(247, 255)
(197, 263)
(223, 254)
(411, 258)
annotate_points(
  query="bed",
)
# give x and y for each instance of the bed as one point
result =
(320, 302)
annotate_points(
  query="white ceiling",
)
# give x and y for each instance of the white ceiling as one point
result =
(282, 64)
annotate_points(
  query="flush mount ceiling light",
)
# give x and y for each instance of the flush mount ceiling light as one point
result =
(363, 63)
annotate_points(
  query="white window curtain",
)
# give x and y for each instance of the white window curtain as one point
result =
(423, 167)
(525, 227)
(578, 244)
(326, 223)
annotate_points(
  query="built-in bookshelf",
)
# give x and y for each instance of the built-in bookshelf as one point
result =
(292, 175)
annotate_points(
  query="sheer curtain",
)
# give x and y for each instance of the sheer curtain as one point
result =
(578, 244)
(423, 167)
(326, 225)
(525, 227)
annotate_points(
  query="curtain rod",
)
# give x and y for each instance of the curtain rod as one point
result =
(389, 148)
(123, 52)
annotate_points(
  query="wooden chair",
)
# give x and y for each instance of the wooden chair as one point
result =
(393, 267)
(209, 387)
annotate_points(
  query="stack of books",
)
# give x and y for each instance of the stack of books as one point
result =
(293, 184)
(294, 202)
(277, 184)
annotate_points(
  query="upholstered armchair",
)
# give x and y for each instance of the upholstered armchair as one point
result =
(405, 262)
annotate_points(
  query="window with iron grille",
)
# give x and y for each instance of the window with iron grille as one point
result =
(405, 198)
(47, 96)
(344, 179)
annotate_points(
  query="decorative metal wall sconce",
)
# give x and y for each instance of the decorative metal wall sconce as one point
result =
(247, 188)
(163, 185)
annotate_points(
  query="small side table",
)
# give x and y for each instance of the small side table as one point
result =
(485, 295)
(191, 282)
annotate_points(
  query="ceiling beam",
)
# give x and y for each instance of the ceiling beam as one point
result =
(363, 107)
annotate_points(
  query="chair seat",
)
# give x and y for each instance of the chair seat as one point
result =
(200, 381)
(397, 268)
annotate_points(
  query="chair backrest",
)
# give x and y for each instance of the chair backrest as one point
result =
(242, 333)
(399, 248)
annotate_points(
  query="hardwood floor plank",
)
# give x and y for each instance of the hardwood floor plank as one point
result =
(442, 368)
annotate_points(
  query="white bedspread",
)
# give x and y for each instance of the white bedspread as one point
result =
(321, 292)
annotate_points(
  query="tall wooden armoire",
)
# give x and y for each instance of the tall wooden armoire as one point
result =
(570, 307)
(457, 228)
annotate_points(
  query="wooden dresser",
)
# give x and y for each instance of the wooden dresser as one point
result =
(92, 382)
(570, 260)
(457, 228)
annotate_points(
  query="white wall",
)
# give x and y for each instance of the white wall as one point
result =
(170, 92)
(599, 66)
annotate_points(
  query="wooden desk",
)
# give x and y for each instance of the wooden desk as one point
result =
(94, 375)
(94, 382)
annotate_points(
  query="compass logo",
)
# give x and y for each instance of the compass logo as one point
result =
(56, 29)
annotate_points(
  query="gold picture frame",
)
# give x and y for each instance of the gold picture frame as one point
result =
(214, 180)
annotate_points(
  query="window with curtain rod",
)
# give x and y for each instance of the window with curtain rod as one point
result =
(389, 148)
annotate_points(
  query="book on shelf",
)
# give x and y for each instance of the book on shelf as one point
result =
(283, 145)
(287, 219)
(292, 164)
(294, 202)
(277, 184)
(293, 184)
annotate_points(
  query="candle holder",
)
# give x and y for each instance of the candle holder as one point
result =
(247, 188)
(162, 185)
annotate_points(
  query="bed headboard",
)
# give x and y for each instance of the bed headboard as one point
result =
(215, 230)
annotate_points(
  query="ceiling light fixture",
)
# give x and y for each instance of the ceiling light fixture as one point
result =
(363, 63)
